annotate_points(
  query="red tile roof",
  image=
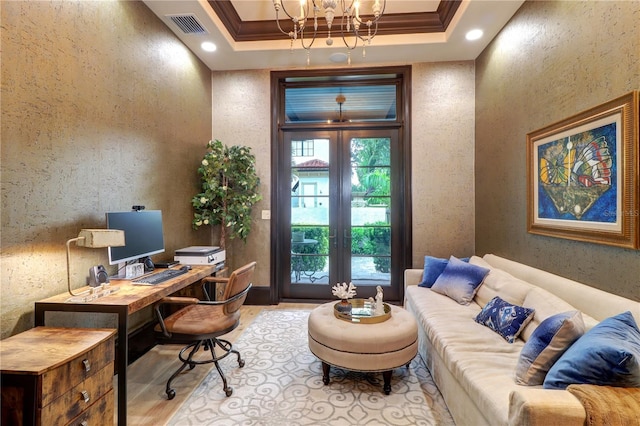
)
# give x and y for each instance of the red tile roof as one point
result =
(314, 164)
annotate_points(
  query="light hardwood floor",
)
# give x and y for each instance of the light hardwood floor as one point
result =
(147, 376)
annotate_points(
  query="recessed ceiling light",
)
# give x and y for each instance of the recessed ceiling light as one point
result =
(473, 35)
(207, 46)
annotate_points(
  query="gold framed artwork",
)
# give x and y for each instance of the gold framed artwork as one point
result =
(582, 175)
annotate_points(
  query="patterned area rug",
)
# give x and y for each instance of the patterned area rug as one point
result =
(281, 384)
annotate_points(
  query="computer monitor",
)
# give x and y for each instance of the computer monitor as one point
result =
(143, 234)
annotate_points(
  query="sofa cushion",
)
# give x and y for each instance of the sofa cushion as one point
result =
(503, 284)
(480, 359)
(476, 260)
(606, 355)
(459, 280)
(582, 297)
(519, 292)
(546, 305)
(433, 267)
(504, 318)
(548, 342)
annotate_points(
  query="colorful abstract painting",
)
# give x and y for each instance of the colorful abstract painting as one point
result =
(577, 176)
(582, 179)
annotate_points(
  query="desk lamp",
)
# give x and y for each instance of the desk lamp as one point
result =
(93, 238)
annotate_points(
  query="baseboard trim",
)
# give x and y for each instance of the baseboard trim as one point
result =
(259, 296)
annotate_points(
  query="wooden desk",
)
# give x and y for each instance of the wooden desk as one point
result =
(128, 299)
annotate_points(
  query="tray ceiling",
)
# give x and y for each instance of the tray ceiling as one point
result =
(410, 31)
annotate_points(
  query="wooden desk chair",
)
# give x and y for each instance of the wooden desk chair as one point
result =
(204, 321)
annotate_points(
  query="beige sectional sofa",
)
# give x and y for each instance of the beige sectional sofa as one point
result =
(474, 367)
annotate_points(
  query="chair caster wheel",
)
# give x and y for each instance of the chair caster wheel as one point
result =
(228, 391)
(171, 394)
(241, 363)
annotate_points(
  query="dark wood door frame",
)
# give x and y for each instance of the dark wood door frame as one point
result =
(278, 126)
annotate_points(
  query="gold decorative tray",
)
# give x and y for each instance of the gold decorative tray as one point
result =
(362, 311)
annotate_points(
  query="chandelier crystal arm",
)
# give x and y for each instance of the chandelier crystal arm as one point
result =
(299, 21)
(346, 30)
(354, 21)
(278, 6)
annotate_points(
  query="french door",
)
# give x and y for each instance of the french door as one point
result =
(341, 212)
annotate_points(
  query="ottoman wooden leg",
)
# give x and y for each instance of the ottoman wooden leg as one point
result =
(386, 375)
(325, 372)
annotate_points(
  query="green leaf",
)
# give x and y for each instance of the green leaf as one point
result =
(230, 187)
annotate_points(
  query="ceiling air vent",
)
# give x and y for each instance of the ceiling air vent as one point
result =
(189, 24)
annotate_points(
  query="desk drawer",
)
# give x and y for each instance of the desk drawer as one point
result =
(61, 379)
(73, 403)
(99, 414)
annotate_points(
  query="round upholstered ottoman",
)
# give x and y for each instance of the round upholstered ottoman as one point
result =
(378, 347)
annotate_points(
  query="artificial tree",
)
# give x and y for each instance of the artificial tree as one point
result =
(229, 190)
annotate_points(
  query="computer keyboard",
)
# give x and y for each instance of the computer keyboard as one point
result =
(159, 277)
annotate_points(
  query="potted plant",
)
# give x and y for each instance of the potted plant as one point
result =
(229, 190)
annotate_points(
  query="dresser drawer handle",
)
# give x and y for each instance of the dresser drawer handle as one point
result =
(87, 365)
(85, 396)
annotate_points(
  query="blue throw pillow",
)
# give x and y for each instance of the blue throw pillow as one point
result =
(547, 343)
(504, 318)
(433, 267)
(607, 355)
(460, 280)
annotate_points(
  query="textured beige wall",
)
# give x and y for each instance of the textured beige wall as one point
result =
(102, 108)
(242, 116)
(442, 160)
(553, 60)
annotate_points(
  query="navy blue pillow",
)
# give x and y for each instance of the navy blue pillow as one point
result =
(606, 355)
(433, 267)
(504, 318)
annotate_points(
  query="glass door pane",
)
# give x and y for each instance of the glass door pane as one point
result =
(340, 221)
(370, 226)
(310, 202)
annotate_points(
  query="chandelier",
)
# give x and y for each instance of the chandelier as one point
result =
(354, 27)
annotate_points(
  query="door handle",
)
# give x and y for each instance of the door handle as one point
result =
(346, 240)
(332, 238)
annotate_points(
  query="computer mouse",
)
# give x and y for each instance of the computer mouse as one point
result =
(186, 268)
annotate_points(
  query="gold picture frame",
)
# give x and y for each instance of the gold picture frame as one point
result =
(582, 176)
